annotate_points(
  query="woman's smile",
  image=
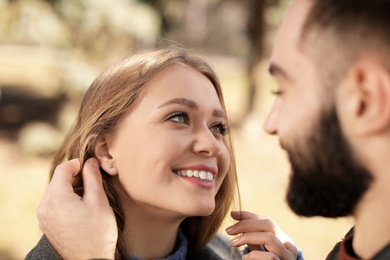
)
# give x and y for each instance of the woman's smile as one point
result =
(201, 175)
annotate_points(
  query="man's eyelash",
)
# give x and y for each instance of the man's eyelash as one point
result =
(277, 92)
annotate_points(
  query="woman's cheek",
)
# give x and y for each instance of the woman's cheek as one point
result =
(223, 167)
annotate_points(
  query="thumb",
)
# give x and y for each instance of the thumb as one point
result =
(92, 180)
(64, 176)
(290, 247)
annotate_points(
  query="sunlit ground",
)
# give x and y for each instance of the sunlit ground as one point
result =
(262, 168)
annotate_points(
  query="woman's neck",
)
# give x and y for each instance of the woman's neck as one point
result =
(148, 233)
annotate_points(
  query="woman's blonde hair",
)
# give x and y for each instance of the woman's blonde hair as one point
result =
(107, 102)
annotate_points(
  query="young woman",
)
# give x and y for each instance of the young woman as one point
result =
(156, 123)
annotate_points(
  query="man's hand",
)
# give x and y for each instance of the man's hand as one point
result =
(79, 227)
(264, 238)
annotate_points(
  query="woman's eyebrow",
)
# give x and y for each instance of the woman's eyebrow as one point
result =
(191, 104)
(181, 101)
(218, 113)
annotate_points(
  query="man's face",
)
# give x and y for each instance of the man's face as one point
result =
(325, 179)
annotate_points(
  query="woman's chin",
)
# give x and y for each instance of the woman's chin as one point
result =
(203, 211)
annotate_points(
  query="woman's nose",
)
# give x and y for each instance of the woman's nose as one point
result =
(207, 144)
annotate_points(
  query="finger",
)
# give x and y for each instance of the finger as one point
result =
(241, 215)
(291, 247)
(268, 240)
(63, 176)
(252, 225)
(256, 238)
(254, 255)
(249, 222)
(60, 189)
(92, 180)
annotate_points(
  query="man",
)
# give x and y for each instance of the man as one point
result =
(77, 227)
(332, 116)
(331, 61)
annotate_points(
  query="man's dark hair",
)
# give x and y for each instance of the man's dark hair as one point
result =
(337, 32)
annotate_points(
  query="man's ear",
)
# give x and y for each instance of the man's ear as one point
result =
(371, 83)
(102, 153)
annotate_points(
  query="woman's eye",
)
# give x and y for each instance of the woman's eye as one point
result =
(220, 129)
(179, 117)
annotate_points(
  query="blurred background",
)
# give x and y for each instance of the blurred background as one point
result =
(50, 52)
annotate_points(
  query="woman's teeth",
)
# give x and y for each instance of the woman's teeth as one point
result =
(203, 175)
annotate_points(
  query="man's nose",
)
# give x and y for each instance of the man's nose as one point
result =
(270, 124)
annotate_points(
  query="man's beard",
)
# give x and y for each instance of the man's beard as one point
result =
(326, 180)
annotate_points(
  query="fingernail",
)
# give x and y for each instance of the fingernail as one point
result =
(235, 240)
(229, 229)
(93, 162)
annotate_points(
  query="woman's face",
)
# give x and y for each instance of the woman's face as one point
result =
(168, 152)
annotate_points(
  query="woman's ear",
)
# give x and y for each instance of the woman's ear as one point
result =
(102, 153)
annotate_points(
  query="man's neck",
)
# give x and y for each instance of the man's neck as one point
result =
(372, 229)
